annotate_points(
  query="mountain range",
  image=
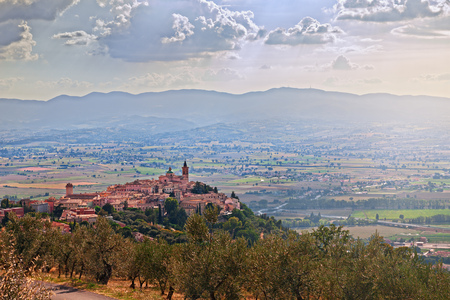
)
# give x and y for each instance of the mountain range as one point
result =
(185, 109)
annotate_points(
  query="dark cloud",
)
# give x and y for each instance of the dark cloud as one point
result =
(16, 40)
(33, 9)
(10, 32)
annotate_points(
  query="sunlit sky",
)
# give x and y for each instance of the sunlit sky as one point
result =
(54, 47)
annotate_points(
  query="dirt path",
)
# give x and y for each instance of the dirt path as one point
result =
(62, 292)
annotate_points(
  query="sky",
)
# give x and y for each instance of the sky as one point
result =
(75, 47)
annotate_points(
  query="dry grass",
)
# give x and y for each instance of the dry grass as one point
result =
(61, 185)
(116, 288)
(365, 232)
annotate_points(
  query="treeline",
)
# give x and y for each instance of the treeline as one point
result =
(372, 203)
(170, 227)
(324, 264)
(317, 220)
(436, 219)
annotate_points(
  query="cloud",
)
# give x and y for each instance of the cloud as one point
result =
(155, 80)
(331, 81)
(335, 81)
(161, 30)
(225, 74)
(33, 9)
(10, 32)
(18, 47)
(421, 32)
(388, 10)
(65, 83)
(341, 63)
(265, 67)
(371, 81)
(79, 37)
(307, 31)
(8, 83)
(183, 29)
(437, 77)
(16, 40)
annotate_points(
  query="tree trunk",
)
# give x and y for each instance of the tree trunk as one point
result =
(212, 296)
(170, 294)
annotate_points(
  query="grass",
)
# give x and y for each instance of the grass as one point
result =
(365, 232)
(395, 213)
(116, 288)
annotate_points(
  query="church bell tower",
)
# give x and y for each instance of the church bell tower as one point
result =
(185, 170)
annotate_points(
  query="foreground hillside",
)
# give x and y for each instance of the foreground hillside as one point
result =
(324, 264)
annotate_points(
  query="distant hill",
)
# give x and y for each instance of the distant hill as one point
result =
(185, 109)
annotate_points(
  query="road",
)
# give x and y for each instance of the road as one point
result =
(271, 210)
(62, 292)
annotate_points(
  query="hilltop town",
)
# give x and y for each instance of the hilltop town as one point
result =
(142, 194)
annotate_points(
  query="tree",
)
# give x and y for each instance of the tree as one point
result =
(5, 203)
(105, 251)
(233, 195)
(282, 269)
(377, 217)
(5, 219)
(108, 208)
(171, 206)
(212, 269)
(196, 229)
(231, 225)
(57, 211)
(14, 283)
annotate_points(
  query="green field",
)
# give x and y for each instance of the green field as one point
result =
(395, 213)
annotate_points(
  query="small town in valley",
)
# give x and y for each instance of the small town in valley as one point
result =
(192, 196)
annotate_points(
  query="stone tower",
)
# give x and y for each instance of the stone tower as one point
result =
(69, 189)
(185, 169)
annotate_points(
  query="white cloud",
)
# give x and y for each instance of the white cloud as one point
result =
(8, 83)
(331, 81)
(307, 31)
(79, 37)
(420, 31)
(155, 80)
(437, 77)
(371, 81)
(224, 74)
(65, 83)
(21, 48)
(388, 10)
(351, 49)
(341, 63)
(341, 82)
(183, 28)
(161, 30)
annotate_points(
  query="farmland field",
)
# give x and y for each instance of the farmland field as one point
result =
(395, 214)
